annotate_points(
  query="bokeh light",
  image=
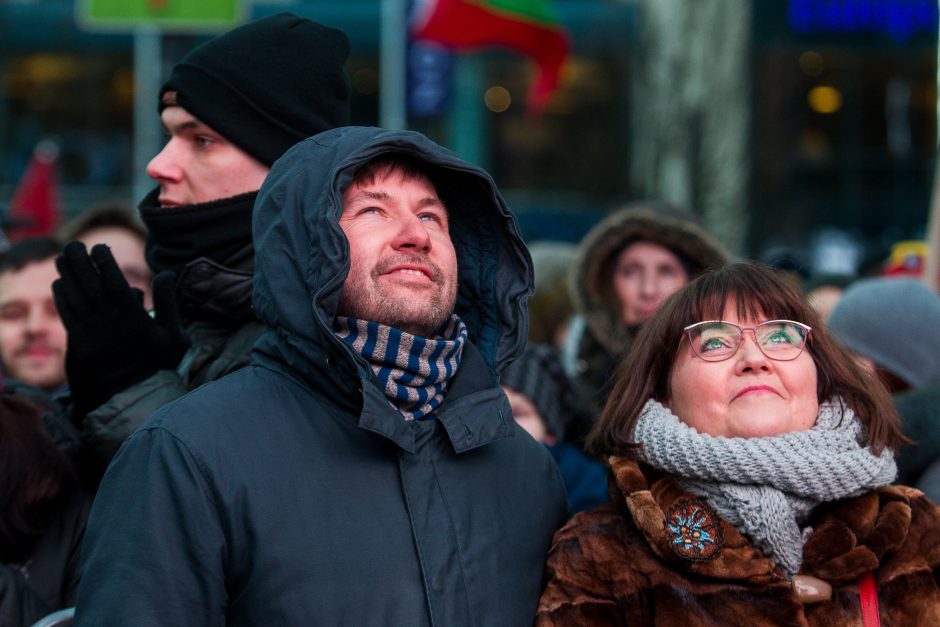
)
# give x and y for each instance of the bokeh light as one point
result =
(824, 99)
(497, 99)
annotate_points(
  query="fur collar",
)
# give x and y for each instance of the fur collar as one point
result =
(848, 538)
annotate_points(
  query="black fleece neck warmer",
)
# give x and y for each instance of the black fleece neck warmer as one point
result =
(216, 230)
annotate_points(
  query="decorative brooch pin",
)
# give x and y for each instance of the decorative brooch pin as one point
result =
(695, 530)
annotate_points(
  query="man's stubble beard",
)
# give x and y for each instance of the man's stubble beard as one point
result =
(365, 299)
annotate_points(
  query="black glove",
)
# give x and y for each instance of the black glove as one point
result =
(113, 342)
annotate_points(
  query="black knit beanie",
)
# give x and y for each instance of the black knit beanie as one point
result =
(538, 375)
(266, 85)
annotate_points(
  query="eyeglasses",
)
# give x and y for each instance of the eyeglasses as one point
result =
(717, 340)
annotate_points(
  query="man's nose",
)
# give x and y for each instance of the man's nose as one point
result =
(412, 234)
(36, 323)
(165, 165)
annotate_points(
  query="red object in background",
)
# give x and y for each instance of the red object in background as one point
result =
(526, 26)
(35, 208)
(906, 259)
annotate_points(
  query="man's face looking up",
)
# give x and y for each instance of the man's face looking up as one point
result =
(403, 267)
(197, 164)
(32, 336)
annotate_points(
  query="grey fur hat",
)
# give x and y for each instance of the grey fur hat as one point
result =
(894, 322)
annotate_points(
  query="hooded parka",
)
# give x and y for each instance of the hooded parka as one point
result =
(291, 492)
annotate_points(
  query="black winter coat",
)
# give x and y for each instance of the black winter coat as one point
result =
(291, 492)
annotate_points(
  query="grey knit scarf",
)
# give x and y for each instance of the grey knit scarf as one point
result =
(412, 371)
(767, 487)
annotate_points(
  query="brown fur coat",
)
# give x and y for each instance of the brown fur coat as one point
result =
(619, 565)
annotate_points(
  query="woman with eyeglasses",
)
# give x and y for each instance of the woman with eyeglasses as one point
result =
(750, 461)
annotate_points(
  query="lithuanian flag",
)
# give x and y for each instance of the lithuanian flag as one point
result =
(529, 27)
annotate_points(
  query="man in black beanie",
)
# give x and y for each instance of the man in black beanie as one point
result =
(231, 107)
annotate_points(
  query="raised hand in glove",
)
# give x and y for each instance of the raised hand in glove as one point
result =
(113, 342)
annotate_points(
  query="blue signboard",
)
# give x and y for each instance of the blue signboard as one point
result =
(429, 79)
(899, 19)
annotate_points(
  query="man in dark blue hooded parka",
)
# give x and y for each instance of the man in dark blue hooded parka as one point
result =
(365, 469)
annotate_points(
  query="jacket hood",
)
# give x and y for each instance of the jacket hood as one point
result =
(302, 254)
(591, 277)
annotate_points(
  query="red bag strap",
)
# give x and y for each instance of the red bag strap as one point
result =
(868, 594)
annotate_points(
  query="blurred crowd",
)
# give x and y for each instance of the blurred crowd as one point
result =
(164, 325)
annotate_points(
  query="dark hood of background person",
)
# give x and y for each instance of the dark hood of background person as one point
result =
(312, 259)
(42, 518)
(264, 87)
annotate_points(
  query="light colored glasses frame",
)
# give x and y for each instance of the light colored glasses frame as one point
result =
(687, 332)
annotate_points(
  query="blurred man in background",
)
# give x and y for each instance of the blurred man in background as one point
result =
(32, 337)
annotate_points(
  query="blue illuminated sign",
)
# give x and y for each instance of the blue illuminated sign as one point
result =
(900, 19)
(430, 67)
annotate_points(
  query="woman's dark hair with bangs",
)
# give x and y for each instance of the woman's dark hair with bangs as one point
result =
(760, 293)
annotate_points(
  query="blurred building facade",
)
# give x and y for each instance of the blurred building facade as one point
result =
(838, 126)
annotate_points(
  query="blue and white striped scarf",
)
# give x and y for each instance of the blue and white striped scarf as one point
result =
(413, 371)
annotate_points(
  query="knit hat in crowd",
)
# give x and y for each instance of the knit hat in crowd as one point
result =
(894, 322)
(266, 85)
(538, 375)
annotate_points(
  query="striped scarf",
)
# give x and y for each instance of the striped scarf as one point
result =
(413, 371)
